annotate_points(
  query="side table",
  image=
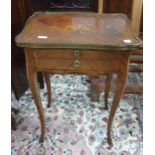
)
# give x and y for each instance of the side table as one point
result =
(84, 43)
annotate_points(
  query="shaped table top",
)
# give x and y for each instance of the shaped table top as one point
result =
(78, 30)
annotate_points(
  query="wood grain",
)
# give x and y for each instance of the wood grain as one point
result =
(107, 89)
(32, 79)
(94, 89)
(121, 80)
(48, 85)
(83, 30)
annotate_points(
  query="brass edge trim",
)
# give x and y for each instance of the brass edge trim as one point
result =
(80, 46)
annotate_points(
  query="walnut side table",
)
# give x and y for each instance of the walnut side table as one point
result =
(85, 43)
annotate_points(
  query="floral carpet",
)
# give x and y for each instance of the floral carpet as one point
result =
(74, 124)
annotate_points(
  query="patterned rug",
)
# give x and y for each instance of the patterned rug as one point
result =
(74, 124)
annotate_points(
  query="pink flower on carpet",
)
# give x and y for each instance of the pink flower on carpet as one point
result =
(55, 118)
(24, 128)
(82, 129)
(27, 153)
(104, 119)
(36, 128)
(66, 130)
(61, 141)
(79, 120)
(52, 148)
(83, 152)
(131, 121)
(91, 139)
(50, 111)
(73, 142)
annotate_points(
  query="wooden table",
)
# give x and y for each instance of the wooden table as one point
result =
(85, 43)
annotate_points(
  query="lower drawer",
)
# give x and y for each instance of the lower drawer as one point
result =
(48, 63)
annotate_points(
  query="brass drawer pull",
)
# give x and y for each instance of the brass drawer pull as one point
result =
(76, 63)
(76, 53)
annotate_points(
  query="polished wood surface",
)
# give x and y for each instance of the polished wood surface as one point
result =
(81, 30)
(48, 85)
(94, 89)
(88, 60)
(58, 53)
(32, 79)
(122, 76)
(107, 89)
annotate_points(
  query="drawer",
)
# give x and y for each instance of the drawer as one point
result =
(75, 53)
(82, 64)
(54, 53)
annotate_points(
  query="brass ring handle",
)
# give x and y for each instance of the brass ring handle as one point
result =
(76, 53)
(76, 63)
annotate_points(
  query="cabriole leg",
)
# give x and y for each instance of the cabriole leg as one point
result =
(107, 89)
(33, 84)
(117, 97)
(48, 85)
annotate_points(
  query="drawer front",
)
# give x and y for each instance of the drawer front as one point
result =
(54, 53)
(82, 64)
(76, 59)
(75, 53)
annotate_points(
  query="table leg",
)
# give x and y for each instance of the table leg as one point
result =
(33, 84)
(107, 89)
(117, 97)
(40, 79)
(95, 89)
(48, 85)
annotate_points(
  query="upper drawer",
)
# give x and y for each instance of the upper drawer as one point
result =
(75, 53)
